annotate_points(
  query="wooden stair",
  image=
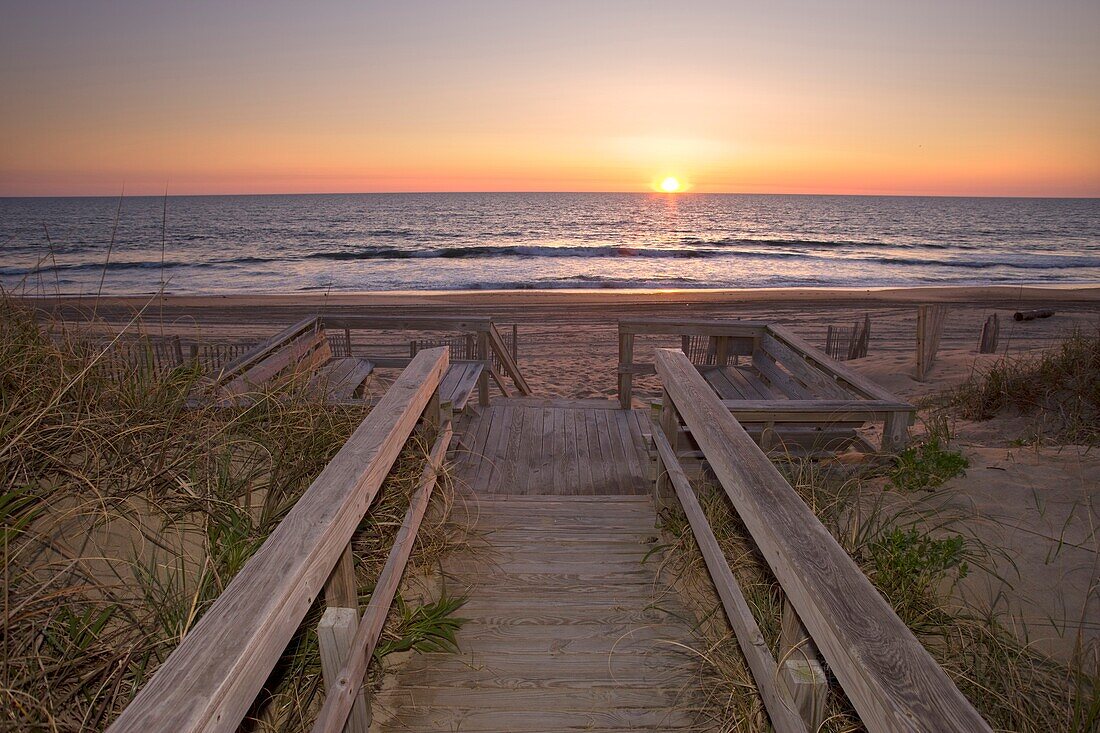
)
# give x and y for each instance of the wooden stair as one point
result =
(568, 628)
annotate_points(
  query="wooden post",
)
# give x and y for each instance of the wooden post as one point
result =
(347, 339)
(685, 345)
(515, 343)
(334, 635)
(483, 379)
(895, 431)
(341, 588)
(670, 426)
(626, 379)
(723, 357)
(801, 678)
(991, 331)
(930, 320)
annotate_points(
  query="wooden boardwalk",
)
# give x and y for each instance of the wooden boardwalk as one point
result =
(515, 447)
(569, 628)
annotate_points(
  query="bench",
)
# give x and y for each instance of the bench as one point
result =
(341, 379)
(459, 383)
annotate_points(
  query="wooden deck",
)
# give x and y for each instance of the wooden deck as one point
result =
(554, 450)
(567, 627)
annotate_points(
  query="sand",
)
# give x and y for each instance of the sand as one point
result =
(1038, 506)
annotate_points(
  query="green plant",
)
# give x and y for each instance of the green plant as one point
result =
(926, 465)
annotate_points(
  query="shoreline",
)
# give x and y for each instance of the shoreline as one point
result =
(717, 296)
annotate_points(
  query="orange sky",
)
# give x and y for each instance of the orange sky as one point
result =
(971, 98)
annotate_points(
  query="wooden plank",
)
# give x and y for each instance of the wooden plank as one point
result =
(213, 676)
(818, 383)
(755, 383)
(276, 363)
(694, 327)
(586, 467)
(512, 479)
(780, 381)
(406, 323)
(340, 697)
(263, 349)
(721, 384)
(467, 377)
(889, 677)
(626, 359)
(616, 482)
(861, 385)
(812, 410)
(749, 638)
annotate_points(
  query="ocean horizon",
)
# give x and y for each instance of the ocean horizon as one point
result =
(222, 244)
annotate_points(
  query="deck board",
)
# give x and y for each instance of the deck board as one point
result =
(568, 628)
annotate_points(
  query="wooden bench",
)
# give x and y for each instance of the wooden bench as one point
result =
(787, 394)
(459, 383)
(341, 379)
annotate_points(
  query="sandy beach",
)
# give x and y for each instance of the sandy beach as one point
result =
(1035, 504)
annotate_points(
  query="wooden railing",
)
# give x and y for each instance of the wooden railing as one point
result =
(214, 675)
(831, 606)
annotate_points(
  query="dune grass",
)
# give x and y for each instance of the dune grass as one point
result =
(126, 507)
(914, 549)
(1059, 390)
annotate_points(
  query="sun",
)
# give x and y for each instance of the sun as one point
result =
(671, 185)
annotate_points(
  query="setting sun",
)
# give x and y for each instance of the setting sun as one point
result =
(670, 185)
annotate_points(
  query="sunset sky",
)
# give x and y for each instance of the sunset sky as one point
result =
(971, 98)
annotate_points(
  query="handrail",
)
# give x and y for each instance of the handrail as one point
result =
(214, 675)
(892, 681)
(510, 366)
(265, 348)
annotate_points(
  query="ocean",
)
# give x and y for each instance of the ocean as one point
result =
(445, 241)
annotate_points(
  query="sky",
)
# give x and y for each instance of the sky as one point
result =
(939, 98)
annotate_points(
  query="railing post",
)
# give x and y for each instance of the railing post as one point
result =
(334, 636)
(895, 431)
(347, 339)
(669, 425)
(801, 678)
(626, 359)
(483, 378)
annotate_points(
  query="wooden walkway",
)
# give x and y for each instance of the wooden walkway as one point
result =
(568, 628)
(516, 448)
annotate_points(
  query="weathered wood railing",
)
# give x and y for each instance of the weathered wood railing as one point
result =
(815, 387)
(890, 679)
(214, 675)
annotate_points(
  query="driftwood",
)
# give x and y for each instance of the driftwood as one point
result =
(1033, 314)
(991, 331)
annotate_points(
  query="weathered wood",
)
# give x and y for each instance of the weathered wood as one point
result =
(483, 377)
(749, 638)
(1031, 315)
(889, 677)
(991, 331)
(284, 358)
(826, 411)
(334, 637)
(406, 323)
(213, 676)
(930, 321)
(851, 379)
(802, 369)
(263, 349)
(340, 696)
(626, 358)
(341, 588)
(802, 680)
(700, 327)
(506, 360)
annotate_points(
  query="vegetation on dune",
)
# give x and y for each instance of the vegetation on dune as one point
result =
(914, 549)
(1059, 390)
(125, 510)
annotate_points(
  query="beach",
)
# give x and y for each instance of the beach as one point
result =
(1035, 503)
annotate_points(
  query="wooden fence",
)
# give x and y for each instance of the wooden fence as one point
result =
(212, 678)
(845, 344)
(831, 606)
(930, 322)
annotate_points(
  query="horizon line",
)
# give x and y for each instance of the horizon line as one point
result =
(570, 193)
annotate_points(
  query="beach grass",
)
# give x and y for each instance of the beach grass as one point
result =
(1059, 390)
(127, 506)
(903, 531)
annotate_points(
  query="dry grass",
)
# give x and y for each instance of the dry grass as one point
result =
(125, 510)
(1059, 390)
(914, 550)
